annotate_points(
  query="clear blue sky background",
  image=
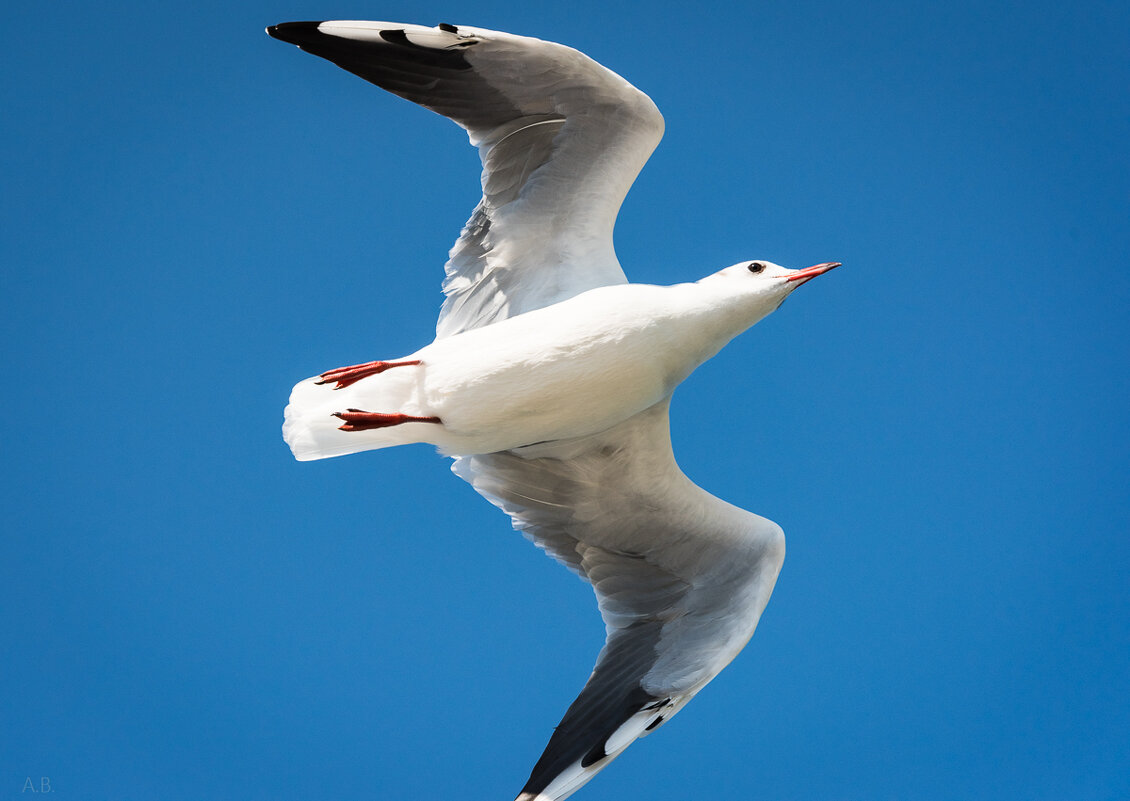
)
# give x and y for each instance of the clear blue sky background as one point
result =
(195, 216)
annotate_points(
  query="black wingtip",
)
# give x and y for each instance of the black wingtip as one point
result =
(295, 33)
(584, 731)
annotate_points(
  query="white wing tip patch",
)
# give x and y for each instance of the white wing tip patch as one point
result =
(578, 774)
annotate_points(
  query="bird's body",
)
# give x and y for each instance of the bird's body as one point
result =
(568, 370)
(550, 376)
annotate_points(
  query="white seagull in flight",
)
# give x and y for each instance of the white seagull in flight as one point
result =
(550, 376)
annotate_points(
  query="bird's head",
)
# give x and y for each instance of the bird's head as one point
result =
(764, 278)
(763, 283)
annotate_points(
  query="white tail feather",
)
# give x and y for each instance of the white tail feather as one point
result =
(313, 432)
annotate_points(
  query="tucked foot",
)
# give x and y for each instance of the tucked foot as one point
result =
(358, 420)
(344, 376)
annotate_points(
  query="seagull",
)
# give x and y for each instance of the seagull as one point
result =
(550, 376)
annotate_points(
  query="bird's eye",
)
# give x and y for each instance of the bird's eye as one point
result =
(756, 266)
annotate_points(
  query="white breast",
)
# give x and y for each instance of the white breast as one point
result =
(569, 370)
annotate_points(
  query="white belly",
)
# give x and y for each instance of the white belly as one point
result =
(553, 374)
(569, 370)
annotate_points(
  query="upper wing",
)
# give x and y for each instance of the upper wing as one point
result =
(561, 140)
(681, 578)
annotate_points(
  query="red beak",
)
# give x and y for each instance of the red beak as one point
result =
(811, 272)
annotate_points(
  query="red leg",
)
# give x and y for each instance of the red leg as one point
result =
(344, 376)
(358, 420)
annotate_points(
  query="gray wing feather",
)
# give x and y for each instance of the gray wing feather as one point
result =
(681, 577)
(438, 78)
(561, 140)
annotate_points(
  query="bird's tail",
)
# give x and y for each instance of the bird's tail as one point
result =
(321, 421)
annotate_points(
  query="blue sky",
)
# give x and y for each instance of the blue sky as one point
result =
(196, 216)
